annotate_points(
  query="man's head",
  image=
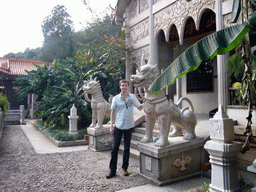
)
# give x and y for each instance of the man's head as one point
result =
(124, 86)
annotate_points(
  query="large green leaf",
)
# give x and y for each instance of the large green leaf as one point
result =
(253, 2)
(216, 43)
(235, 11)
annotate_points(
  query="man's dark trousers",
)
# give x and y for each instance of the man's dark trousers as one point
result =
(115, 147)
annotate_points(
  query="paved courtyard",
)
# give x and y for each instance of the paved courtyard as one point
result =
(22, 169)
(31, 162)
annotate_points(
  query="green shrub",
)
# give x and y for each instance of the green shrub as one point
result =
(205, 188)
(4, 103)
(244, 186)
(58, 133)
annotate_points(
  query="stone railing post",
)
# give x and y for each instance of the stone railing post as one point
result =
(223, 153)
(22, 114)
(73, 121)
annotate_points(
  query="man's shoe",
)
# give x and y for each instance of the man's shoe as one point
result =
(110, 175)
(126, 173)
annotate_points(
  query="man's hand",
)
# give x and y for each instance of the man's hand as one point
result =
(141, 107)
(111, 129)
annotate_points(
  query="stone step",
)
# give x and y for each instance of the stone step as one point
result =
(137, 136)
(133, 143)
(133, 152)
(239, 134)
(142, 130)
(245, 160)
(144, 125)
(240, 129)
(156, 126)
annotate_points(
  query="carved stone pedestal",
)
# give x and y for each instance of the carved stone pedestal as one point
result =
(223, 158)
(100, 139)
(223, 153)
(180, 160)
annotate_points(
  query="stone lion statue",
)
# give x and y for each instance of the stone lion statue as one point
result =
(158, 107)
(100, 107)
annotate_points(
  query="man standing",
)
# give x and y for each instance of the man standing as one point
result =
(122, 123)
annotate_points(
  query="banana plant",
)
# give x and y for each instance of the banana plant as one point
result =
(58, 87)
(218, 43)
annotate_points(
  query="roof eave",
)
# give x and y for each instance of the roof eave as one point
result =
(120, 9)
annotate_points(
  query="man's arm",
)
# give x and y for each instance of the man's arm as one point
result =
(137, 103)
(112, 121)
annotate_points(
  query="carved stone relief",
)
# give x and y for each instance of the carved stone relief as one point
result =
(217, 128)
(226, 21)
(182, 162)
(106, 140)
(177, 12)
(133, 9)
(143, 5)
(173, 14)
(227, 18)
(139, 31)
(155, 1)
(135, 56)
(148, 163)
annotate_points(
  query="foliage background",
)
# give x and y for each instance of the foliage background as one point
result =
(98, 50)
(4, 103)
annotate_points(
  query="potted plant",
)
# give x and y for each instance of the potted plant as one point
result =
(86, 137)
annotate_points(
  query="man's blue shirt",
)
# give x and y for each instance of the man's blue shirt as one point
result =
(124, 110)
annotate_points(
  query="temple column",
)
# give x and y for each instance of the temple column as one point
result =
(221, 60)
(176, 53)
(153, 45)
(128, 66)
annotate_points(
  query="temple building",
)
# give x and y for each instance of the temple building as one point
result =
(162, 29)
(10, 69)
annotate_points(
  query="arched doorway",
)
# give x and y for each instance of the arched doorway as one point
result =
(169, 49)
(166, 54)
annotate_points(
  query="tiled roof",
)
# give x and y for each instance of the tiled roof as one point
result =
(15, 66)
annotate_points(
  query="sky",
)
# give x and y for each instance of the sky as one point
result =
(20, 20)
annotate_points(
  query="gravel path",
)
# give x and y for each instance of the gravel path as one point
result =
(22, 169)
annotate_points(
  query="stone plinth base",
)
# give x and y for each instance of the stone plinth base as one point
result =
(100, 139)
(179, 160)
(223, 159)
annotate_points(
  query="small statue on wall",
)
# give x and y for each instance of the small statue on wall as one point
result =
(158, 107)
(100, 107)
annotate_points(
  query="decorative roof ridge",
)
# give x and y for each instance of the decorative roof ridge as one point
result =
(24, 60)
